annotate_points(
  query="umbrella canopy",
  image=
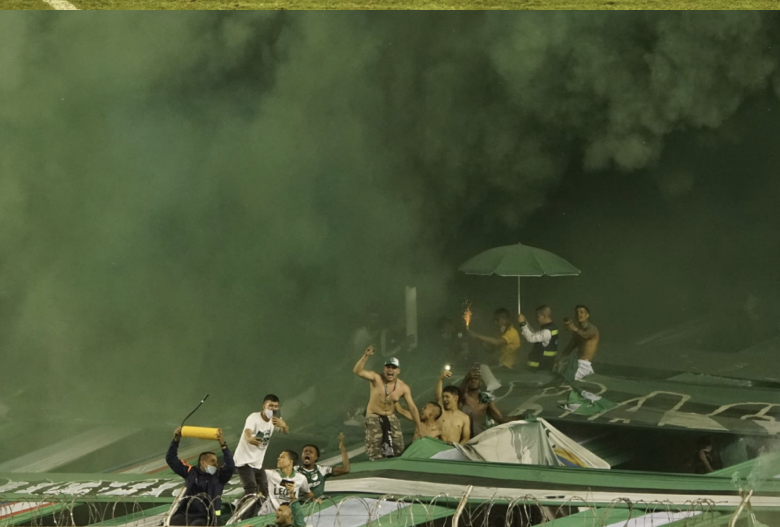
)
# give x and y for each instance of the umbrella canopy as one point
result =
(518, 260)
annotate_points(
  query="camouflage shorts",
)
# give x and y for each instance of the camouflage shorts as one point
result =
(374, 437)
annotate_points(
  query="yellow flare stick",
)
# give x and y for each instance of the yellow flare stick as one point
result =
(199, 432)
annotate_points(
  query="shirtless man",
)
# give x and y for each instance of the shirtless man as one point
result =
(429, 415)
(585, 338)
(455, 425)
(483, 411)
(384, 438)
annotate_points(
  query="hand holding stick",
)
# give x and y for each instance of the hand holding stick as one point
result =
(196, 409)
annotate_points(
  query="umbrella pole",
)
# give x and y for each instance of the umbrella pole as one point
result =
(518, 295)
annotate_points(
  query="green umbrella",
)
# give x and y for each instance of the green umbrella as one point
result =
(518, 260)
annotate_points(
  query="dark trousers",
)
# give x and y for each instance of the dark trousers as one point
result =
(181, 518)
(194, 510)
(253, 480)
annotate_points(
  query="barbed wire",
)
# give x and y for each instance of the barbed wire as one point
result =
(346, 511)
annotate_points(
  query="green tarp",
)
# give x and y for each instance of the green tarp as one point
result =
(520, 442)
(647, 403)
(425, 448)
(548, 485)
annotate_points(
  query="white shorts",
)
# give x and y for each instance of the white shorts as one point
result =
(584, 368)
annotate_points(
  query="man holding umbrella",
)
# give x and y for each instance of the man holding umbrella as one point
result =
(545, 341)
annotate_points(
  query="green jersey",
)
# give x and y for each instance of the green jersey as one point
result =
(316, 477)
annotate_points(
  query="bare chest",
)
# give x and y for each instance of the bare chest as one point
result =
(473, 402)
(387, 394)
(432, 429)
(451, 421)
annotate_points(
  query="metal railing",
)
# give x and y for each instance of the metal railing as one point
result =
(355, 510)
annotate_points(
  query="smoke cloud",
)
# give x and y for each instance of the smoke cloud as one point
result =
(208, 200)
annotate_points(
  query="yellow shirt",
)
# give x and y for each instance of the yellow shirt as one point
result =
(508, 351)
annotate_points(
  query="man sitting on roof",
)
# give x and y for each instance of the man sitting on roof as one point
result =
(585, 339)
(285, 484)
(317, 474)
(202, 500)
(455, 425)
(429, 424)
(479, 405)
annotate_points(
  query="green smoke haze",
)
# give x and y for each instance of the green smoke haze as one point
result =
(207, 202)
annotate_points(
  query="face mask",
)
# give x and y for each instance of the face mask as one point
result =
(269, 414)
(211, 469)
(503, 328)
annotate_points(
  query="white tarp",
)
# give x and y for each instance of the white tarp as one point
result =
(561, 443)
(527, 443)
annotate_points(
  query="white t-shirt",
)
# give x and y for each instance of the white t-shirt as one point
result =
(278, 493)
(251, 455)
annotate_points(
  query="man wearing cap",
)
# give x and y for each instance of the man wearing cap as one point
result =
(384, 438)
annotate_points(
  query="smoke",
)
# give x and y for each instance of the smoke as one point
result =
(193, 200)
(507, 105)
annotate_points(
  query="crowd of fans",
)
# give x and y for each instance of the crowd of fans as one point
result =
(458, 413)
(278, 491)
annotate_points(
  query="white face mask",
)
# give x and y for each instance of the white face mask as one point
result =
(211, 469)
(269, 414)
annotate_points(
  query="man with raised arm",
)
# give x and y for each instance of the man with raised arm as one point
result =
(202, 501)
(482, 409)
(455, 425)
(316, 474)
(585, 339)
(384, 438)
